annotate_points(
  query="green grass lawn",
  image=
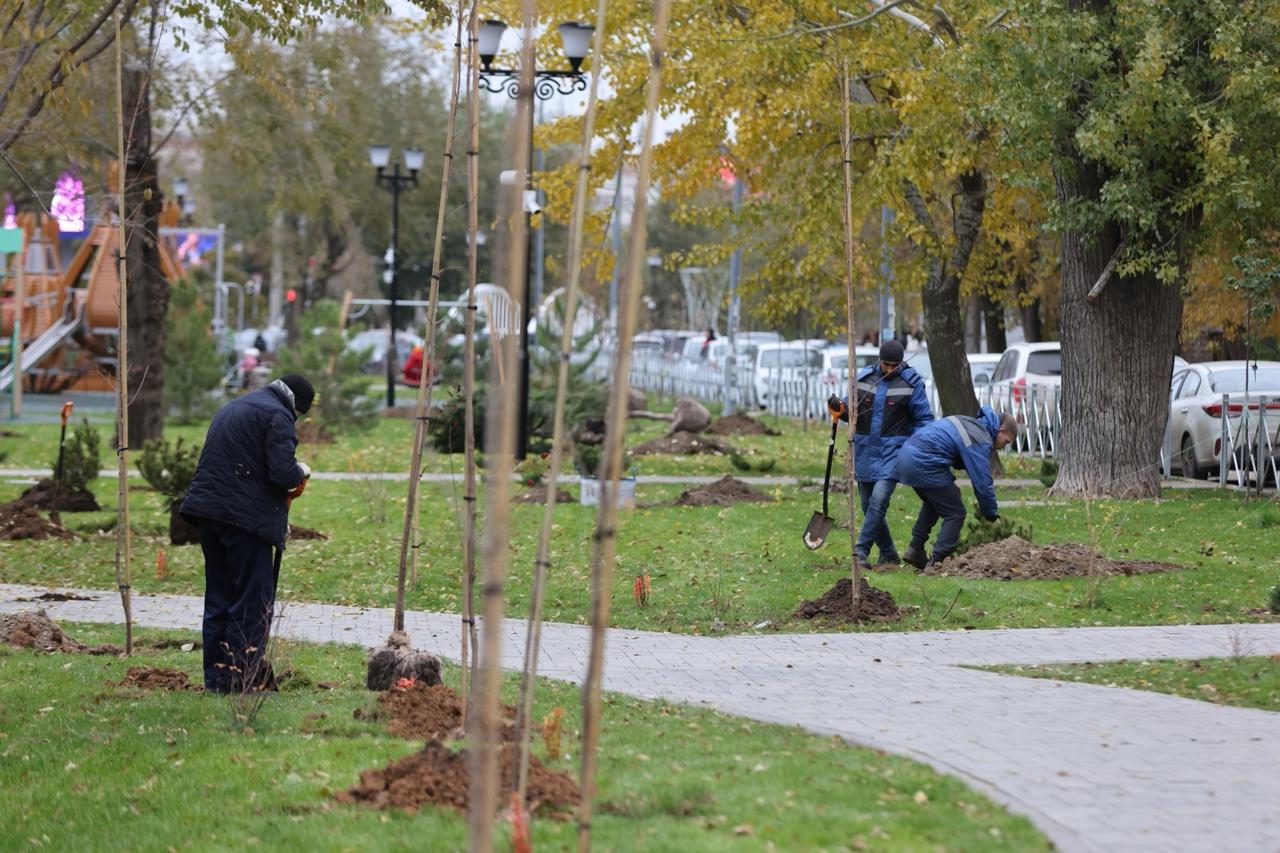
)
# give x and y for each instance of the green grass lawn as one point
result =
(718, 569)
(797, 452)
(87, 765)
(1249, 682)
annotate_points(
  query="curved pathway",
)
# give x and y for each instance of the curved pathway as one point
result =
(1096, 768)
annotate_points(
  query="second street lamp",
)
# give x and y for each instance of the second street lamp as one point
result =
(379, 157)
(575, 39)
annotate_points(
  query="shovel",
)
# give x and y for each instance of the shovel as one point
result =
(820, 523)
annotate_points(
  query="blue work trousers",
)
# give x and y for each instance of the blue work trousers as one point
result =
(875, 496)
(939, 502)
(239, 595)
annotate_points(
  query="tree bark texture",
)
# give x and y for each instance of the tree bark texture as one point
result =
(148, 291)
(1028, 310)
(993, 322)
(943, 315)
(972, 324)
(1117, 361)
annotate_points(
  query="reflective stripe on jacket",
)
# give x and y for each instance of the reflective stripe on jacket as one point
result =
(889, 410)
(956, 441)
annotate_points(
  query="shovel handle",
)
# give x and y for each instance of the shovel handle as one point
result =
(831, 452)
(66, 411)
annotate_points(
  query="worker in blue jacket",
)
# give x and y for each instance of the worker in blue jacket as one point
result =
(892, 404)
(239, 501)
(925, 464)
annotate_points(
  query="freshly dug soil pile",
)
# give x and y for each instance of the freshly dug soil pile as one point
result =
(42, 495)
(723, 492)
(296, 532)
(23, 521)
(538, 495)
(58, 596)
(1017, 559)
(439, 775)
(33, 629)
(685, 444)
(739, 423)
(836, 603)
(157, 678)
(428, 712)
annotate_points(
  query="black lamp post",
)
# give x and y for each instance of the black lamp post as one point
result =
(576, 40)
(379, 157)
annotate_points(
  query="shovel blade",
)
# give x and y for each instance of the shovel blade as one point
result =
(816, 533)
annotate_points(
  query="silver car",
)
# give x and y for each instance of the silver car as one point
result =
(1196, 410)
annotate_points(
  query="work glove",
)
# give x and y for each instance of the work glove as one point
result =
(306, 471)
(837, 408)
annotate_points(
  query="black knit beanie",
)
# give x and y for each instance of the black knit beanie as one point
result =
(891, 352)
(303, 393)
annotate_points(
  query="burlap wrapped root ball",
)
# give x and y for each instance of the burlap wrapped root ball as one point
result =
(397, 660)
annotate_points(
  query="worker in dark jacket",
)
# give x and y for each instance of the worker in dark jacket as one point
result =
(239, 500)
(892, 404)
(925, 464)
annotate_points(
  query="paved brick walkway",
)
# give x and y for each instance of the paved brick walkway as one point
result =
(1096, 768)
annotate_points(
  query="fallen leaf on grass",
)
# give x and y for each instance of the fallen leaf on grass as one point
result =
(921, 798)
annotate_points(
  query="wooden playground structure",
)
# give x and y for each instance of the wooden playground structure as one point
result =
(67, 322)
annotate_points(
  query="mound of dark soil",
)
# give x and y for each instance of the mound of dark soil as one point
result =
(296, 532)
(157, 678)
(58, 596)
(428, 712)
(723, 492)
(19, 520)
(1017, 559)
(739, 423)
(538, 495)
(438, 775)
(875, 605)
(33, 629)
(684, 444)
(45, 496)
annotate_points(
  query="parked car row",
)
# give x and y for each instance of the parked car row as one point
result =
(1196, 410)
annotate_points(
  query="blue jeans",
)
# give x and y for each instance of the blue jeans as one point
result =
(939, 502)
(875, 530)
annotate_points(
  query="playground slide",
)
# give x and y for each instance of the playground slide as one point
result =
(47, 342)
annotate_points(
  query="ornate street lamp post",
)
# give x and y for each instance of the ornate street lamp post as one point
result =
(379, 157)
(576, 41)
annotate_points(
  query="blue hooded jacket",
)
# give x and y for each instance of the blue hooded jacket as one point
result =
(889, 410)
(247, 465)
(927, 457)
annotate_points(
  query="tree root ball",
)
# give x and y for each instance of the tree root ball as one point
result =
(397, 660)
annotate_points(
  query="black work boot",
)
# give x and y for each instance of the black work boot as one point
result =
(914, 556)
(863, 563)
(890, 559)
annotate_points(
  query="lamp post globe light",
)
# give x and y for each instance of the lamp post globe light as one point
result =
(575, 41)
(395, 182)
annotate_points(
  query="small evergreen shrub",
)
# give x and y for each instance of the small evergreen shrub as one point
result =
(81, 459)
(979, 532)
(1048, 472)
(342, 403)
(169, 468)
(1275, 599)
(447, 425)
(192, 367)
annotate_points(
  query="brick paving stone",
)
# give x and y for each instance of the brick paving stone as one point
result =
(1096, 768)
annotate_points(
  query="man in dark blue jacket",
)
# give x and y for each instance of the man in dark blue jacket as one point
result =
(892, 405)
(925, 463)
(239, 500)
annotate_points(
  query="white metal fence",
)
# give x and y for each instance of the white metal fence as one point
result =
(1251, 453)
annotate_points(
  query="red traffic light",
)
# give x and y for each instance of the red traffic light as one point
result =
(290, 295)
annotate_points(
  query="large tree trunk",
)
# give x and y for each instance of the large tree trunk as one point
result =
(973, 324)
(1028, 310)
(943, 318)
(1117, 360)
(148, 289)
(993, 321)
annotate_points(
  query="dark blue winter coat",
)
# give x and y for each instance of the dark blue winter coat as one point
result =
(889, 410)
(956, 441)
(247, 466)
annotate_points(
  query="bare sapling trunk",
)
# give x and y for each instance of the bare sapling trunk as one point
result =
(500, 439)
(577, 233)
(851, 385)
(615, 437)
(429, 353)
(469, 640)
(123, 544)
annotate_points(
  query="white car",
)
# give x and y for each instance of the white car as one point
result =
(1038, 365)
(776, 363)
(981, 367)
(835, 361)
(1196, 412)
